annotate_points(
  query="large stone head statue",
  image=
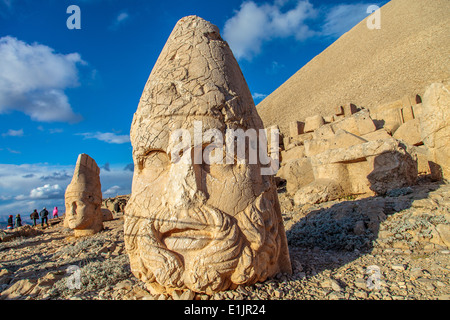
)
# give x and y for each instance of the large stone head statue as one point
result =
(193, 223)
(84, 198)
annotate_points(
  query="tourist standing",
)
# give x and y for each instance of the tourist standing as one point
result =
(10, 222)
(34, 216)
(55, 212)
(44, 217)
(18, 221)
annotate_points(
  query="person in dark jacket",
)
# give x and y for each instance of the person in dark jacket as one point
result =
(18, 221)
(44, 217)
(10, 222)
(34, 216)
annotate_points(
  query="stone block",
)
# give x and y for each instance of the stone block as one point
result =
(107, 214)
(371, 167)
(350, 109)
(296, 128)
(359, 124)
(421, 156)
(409, 132)
(313, 123)
(407, 114)
(376, 135)
(339, 111)
(345, 139)
(406, 101)
(324, 132)
(342, 139)
(295, 153)
(297, 173)
(316, 146)
(417, 110)
(352, 153)
(435, 125)
(318, 191)
(328, 119)
(296, 141)
(388, 116)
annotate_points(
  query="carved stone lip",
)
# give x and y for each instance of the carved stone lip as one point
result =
(71, 217)
(181, 240)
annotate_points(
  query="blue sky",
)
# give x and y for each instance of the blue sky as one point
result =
(64, 92)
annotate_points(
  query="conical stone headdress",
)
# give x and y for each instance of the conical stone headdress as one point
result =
(196, 77)
(86, 179)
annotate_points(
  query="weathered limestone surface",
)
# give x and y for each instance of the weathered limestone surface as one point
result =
(195, 226)
(409, 132)
(389, 115)
(435, 125)
(313, 123)
(297, 173)
(341, 139)
(352, 156)
(376, 166)
(107, 214)
(359, 123)
(292, 154)
(116, 204)
(84, 198)
(376, 135)
(296, 128)
(318, 191)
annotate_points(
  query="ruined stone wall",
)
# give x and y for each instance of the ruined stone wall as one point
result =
(358, 151)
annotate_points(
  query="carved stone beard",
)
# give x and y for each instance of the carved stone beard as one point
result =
(202, 248)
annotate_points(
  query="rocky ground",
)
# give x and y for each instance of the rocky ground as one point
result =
(382, 248)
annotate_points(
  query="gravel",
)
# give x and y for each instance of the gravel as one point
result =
(354, 250)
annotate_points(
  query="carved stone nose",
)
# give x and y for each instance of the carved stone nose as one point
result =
(184, 185)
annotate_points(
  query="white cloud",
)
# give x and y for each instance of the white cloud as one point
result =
(259, 96)
(13, 151)
(112, 192)
(107, 137)
(13, 133)
(119, 20)
(45, 192)
(116, 181)
(56, 176)
(274, 68)
(20, 179)
(33, 80)
(55, 130)
(341, 18)
(122, 17)
(253, 24)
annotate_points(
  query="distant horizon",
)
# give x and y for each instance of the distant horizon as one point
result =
(25, 220)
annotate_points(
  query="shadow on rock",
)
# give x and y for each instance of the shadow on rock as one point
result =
(346, 230)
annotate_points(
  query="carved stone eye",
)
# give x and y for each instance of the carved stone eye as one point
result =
(74, 207)
(155, 159)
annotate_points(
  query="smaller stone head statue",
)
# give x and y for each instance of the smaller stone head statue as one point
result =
(84, 198)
